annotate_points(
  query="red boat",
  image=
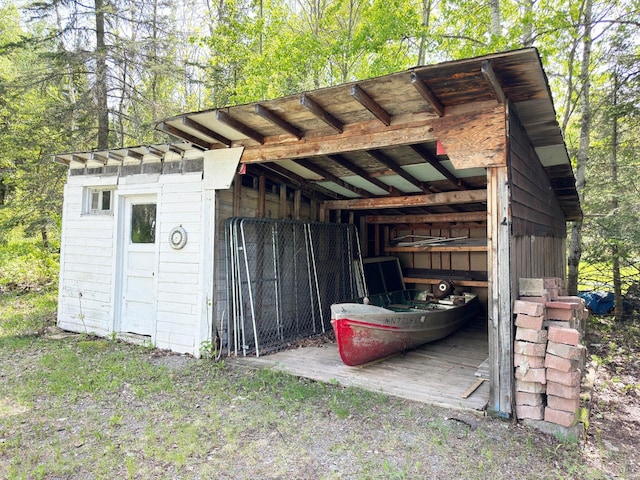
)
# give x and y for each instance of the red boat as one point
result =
(375, 327)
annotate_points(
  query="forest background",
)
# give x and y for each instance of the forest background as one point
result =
(77, 76)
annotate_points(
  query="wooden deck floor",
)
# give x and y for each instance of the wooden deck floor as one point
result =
(438, 373)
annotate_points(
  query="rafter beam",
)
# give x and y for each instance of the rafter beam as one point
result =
(171, 130)
(155, 152)
(281, 174)
(189, 122)
(349, 165)
(96, 157)
(427, 94)
(231, 122)
(492, 80)
(321, 113)
(79, 159)
(134, 154)
(370, 104)
(331, 177)
(433, 161)
(275, 119)
(391, 164)
(428, 218)
(429, 200)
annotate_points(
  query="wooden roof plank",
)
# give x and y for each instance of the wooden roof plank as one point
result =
(184, 135)
(492, 80)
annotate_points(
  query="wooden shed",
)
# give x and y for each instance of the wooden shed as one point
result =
(467, 150)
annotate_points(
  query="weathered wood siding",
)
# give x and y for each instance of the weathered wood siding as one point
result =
(538, 224)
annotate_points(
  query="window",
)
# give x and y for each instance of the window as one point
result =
(143, 223)
(99, 201)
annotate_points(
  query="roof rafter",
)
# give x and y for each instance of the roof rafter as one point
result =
(295, 180)
(189, 122)
(370, 104)
(433, 161)
(492, 80)
(278, 121)
(391, 164)
(184, 136)
(321, 113)
(238, 126)
(361, 172)
(303, 162)
(427, 94)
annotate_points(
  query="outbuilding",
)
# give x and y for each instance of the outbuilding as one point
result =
(239, 236)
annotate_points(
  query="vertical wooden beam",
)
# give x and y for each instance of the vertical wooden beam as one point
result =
(500, 291)
(313, 210)
(376, 240)
(262, 196)
(237, 195)
(283, 201)
(297, 202)
(364, 239)
(322, 213)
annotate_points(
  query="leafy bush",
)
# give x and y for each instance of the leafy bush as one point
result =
(26, 266)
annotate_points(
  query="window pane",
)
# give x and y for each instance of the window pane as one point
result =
(143, 223)
(106, 200)
(95, 200)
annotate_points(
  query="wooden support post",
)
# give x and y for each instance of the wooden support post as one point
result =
(376, 240)
(283, 201)
(237, 195)
(364, 239)
(262, 196)
(297, 202)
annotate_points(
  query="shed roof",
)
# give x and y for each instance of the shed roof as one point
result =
(285, 134)
(309, 139)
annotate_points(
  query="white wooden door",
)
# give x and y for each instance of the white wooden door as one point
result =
(139, 265)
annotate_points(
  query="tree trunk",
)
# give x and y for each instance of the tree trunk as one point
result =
(426, 14)
(575, 243)
(496, 22)
(615, 253)
(101, 78)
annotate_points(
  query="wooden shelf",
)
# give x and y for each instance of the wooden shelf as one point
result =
(438, 248)
(434, 281)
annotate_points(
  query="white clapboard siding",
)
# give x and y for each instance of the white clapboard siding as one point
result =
(179, 282)
(86, 263)
(89, 274)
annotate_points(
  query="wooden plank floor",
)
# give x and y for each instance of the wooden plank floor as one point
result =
(438, 373)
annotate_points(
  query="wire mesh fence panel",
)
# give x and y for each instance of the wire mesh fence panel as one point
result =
(282, 277)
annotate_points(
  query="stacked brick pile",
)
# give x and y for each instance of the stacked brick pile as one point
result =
(548, 356)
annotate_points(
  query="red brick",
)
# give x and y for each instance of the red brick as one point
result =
(544, 299)
(527, 361)
(570, 379)
(528, 321)
(531, 335)
(531, 349)
(566, 419)
(565, 404)
(526, 398)
(527, 411)
(528, 308)
(561, 305)
(555, 323)
(563, 391)
(561, 364)
(532, 374)
(530, 387)
(571, 352)
(560, 314)
(568, 336)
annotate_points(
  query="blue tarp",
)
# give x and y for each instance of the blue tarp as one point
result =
(598, 302)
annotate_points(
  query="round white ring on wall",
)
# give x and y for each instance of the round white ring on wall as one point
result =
(177, 238)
